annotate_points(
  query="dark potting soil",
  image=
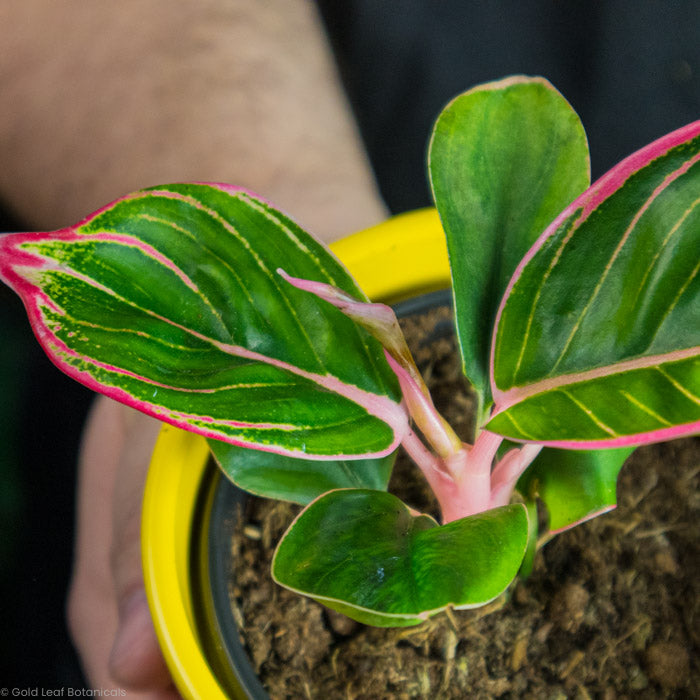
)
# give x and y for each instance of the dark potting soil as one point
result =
(611, 610)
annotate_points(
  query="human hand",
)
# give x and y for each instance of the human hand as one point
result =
(108, 614)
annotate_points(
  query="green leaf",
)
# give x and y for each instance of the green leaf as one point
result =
(365, 554)
(505, 159)
(598, 338)
(574, 485)
(168, 300)
(532, 532)
(298, 480)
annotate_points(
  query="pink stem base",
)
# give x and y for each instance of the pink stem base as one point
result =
(507, 472)
(462, 481)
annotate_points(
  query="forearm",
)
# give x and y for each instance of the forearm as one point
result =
(102, 98)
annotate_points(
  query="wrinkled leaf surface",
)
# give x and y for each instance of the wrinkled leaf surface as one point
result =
(365, 554)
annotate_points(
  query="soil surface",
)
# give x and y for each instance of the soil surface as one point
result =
(611, 610)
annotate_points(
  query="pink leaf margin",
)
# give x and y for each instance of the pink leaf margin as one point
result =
(587, 202)
(635, 440)
(12, 258)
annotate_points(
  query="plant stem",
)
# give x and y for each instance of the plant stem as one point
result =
(434, 427)
(507, 472)
(433, 468)
(462, 480)
(473, 478)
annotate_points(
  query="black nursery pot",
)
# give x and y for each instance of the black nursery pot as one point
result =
(219, 515)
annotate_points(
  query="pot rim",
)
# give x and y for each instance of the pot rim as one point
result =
(415, 244)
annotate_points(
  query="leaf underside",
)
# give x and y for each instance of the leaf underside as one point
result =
(168, 300)
(297, 480)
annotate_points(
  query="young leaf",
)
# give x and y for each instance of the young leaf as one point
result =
(168, 300)
(505, 158)
(298, 480)
(381, 323)
(379, 320)
(365, 554)
(598, 337)
(574, 485)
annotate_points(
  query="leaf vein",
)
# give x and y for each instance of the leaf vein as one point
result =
(664, 244)
(646, 409)
(668, 179)
(674, 302)
(372, 359)
(590, 414)
(677, 385)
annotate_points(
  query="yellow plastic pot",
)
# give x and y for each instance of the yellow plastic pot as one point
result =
(401, 258)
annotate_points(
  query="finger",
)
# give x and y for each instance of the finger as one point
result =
(135, 658)
(92, 611)
(92, 604)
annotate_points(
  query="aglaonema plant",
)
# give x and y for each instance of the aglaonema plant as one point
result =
(577, 319)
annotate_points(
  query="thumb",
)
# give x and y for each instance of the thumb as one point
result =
(135, 659)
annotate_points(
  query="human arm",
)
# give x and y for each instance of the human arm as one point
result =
(109, 97)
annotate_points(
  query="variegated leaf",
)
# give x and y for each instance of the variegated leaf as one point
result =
(168, 300)
(597, 342)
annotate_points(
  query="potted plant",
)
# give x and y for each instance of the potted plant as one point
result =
(576, 314)
(181, 475)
